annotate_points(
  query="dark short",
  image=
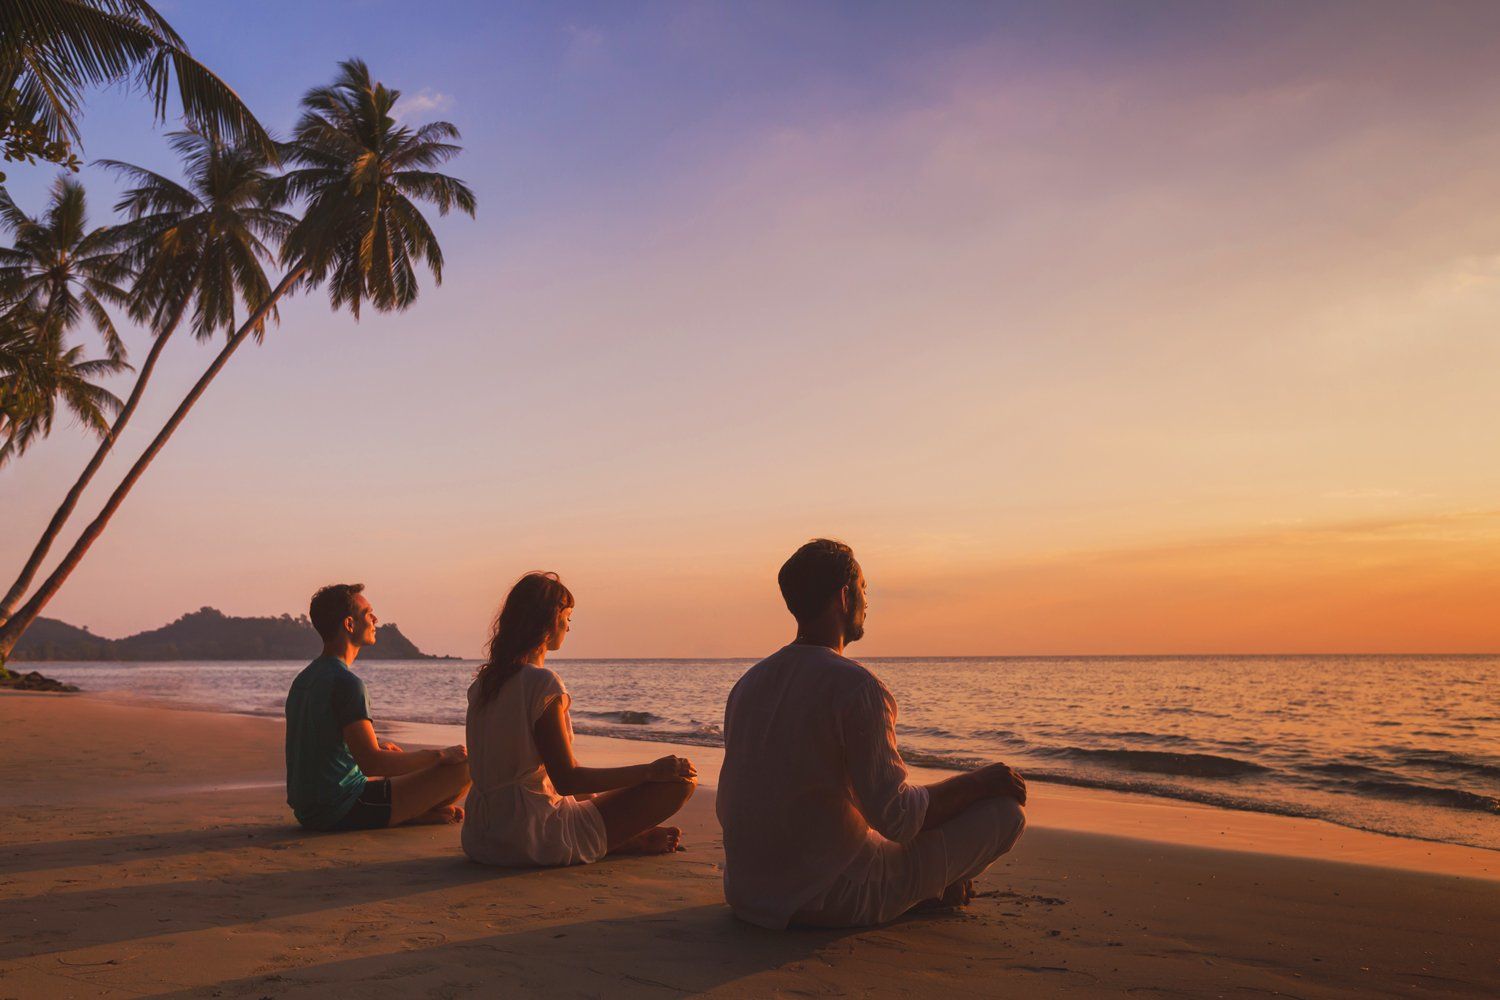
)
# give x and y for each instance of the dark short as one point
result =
(371, 811)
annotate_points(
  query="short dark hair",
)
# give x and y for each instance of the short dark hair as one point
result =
(331, 605)
(814, 575)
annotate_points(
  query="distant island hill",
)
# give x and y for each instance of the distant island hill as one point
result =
(205, 634)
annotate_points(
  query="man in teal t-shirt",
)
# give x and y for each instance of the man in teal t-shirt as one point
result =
(322, 780)
(338, 776)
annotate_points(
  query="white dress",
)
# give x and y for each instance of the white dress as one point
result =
(513, 814)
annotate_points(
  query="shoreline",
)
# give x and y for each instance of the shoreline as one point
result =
(148, 851)
(1147, 818)
(1429, 779)
(1142, 816)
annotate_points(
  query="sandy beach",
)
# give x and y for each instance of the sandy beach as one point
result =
(148, 852)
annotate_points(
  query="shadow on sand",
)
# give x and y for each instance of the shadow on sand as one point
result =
(672, 953)
(90, 917)
(18, 858)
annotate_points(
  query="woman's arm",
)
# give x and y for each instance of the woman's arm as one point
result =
(571, 778)
(378, 762)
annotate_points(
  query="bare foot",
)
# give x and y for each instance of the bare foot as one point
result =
(440, 816)
(955, 897)
(959, 894)
(657, 840)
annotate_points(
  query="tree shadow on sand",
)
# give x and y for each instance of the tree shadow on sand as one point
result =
(679, 952)
(82, 919)
(16, 859)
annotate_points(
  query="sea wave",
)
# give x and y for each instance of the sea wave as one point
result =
(1141, 736)
(939, 759)
(699, 734)
(1410, 791)
(624, 717)
(1194, 765)
(1446, 760)
(1342, 769)
(1186, 710)
(1365, 779)
(1003, 735)
(938, 731)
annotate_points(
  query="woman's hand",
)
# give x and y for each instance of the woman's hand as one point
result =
(453, 755)
(670, 769)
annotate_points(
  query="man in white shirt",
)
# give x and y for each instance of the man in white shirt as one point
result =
(820, 825)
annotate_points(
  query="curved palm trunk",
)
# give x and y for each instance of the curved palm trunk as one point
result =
(12, 630)
(65, 509)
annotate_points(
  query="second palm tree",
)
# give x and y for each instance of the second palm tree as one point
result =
(358, 171)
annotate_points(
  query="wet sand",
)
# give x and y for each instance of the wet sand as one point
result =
(147, 851)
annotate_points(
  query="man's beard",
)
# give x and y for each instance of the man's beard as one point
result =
(854, 631)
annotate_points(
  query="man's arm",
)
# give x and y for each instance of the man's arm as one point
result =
(377, 762)
(951, 796)
(892, 807)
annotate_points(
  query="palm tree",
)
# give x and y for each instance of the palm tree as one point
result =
(37, 374)
(51, 50)
(358, 171)
(195, 246)
(60, 266)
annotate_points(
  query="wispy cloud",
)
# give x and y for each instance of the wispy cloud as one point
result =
(423, 103)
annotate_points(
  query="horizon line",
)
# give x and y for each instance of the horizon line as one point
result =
(1007, 656)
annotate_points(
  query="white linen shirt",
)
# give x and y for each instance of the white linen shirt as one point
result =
(811, 773)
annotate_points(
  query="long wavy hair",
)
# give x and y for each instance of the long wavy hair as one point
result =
(526, 621)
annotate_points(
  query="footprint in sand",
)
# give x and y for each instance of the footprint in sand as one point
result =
(424, 940)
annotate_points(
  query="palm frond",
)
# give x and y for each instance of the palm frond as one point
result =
(443, 191)
(38, 375)
(200, 244)
(56, 48)
(113, 345)
(152, 191)
(358, 173)
(59, 266)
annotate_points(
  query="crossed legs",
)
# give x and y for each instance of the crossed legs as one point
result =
(631, 816)
(887, 879)
(429, 795)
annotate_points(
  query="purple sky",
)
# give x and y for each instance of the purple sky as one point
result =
(1094, 327)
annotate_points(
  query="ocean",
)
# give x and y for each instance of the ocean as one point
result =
(1403, 745)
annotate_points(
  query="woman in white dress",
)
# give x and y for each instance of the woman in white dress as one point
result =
(531, 802)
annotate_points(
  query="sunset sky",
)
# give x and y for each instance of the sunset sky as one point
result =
(1115, 328)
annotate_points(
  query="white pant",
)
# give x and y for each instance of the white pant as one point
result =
(886, 879)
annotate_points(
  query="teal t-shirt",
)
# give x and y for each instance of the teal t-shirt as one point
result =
(322, 780)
